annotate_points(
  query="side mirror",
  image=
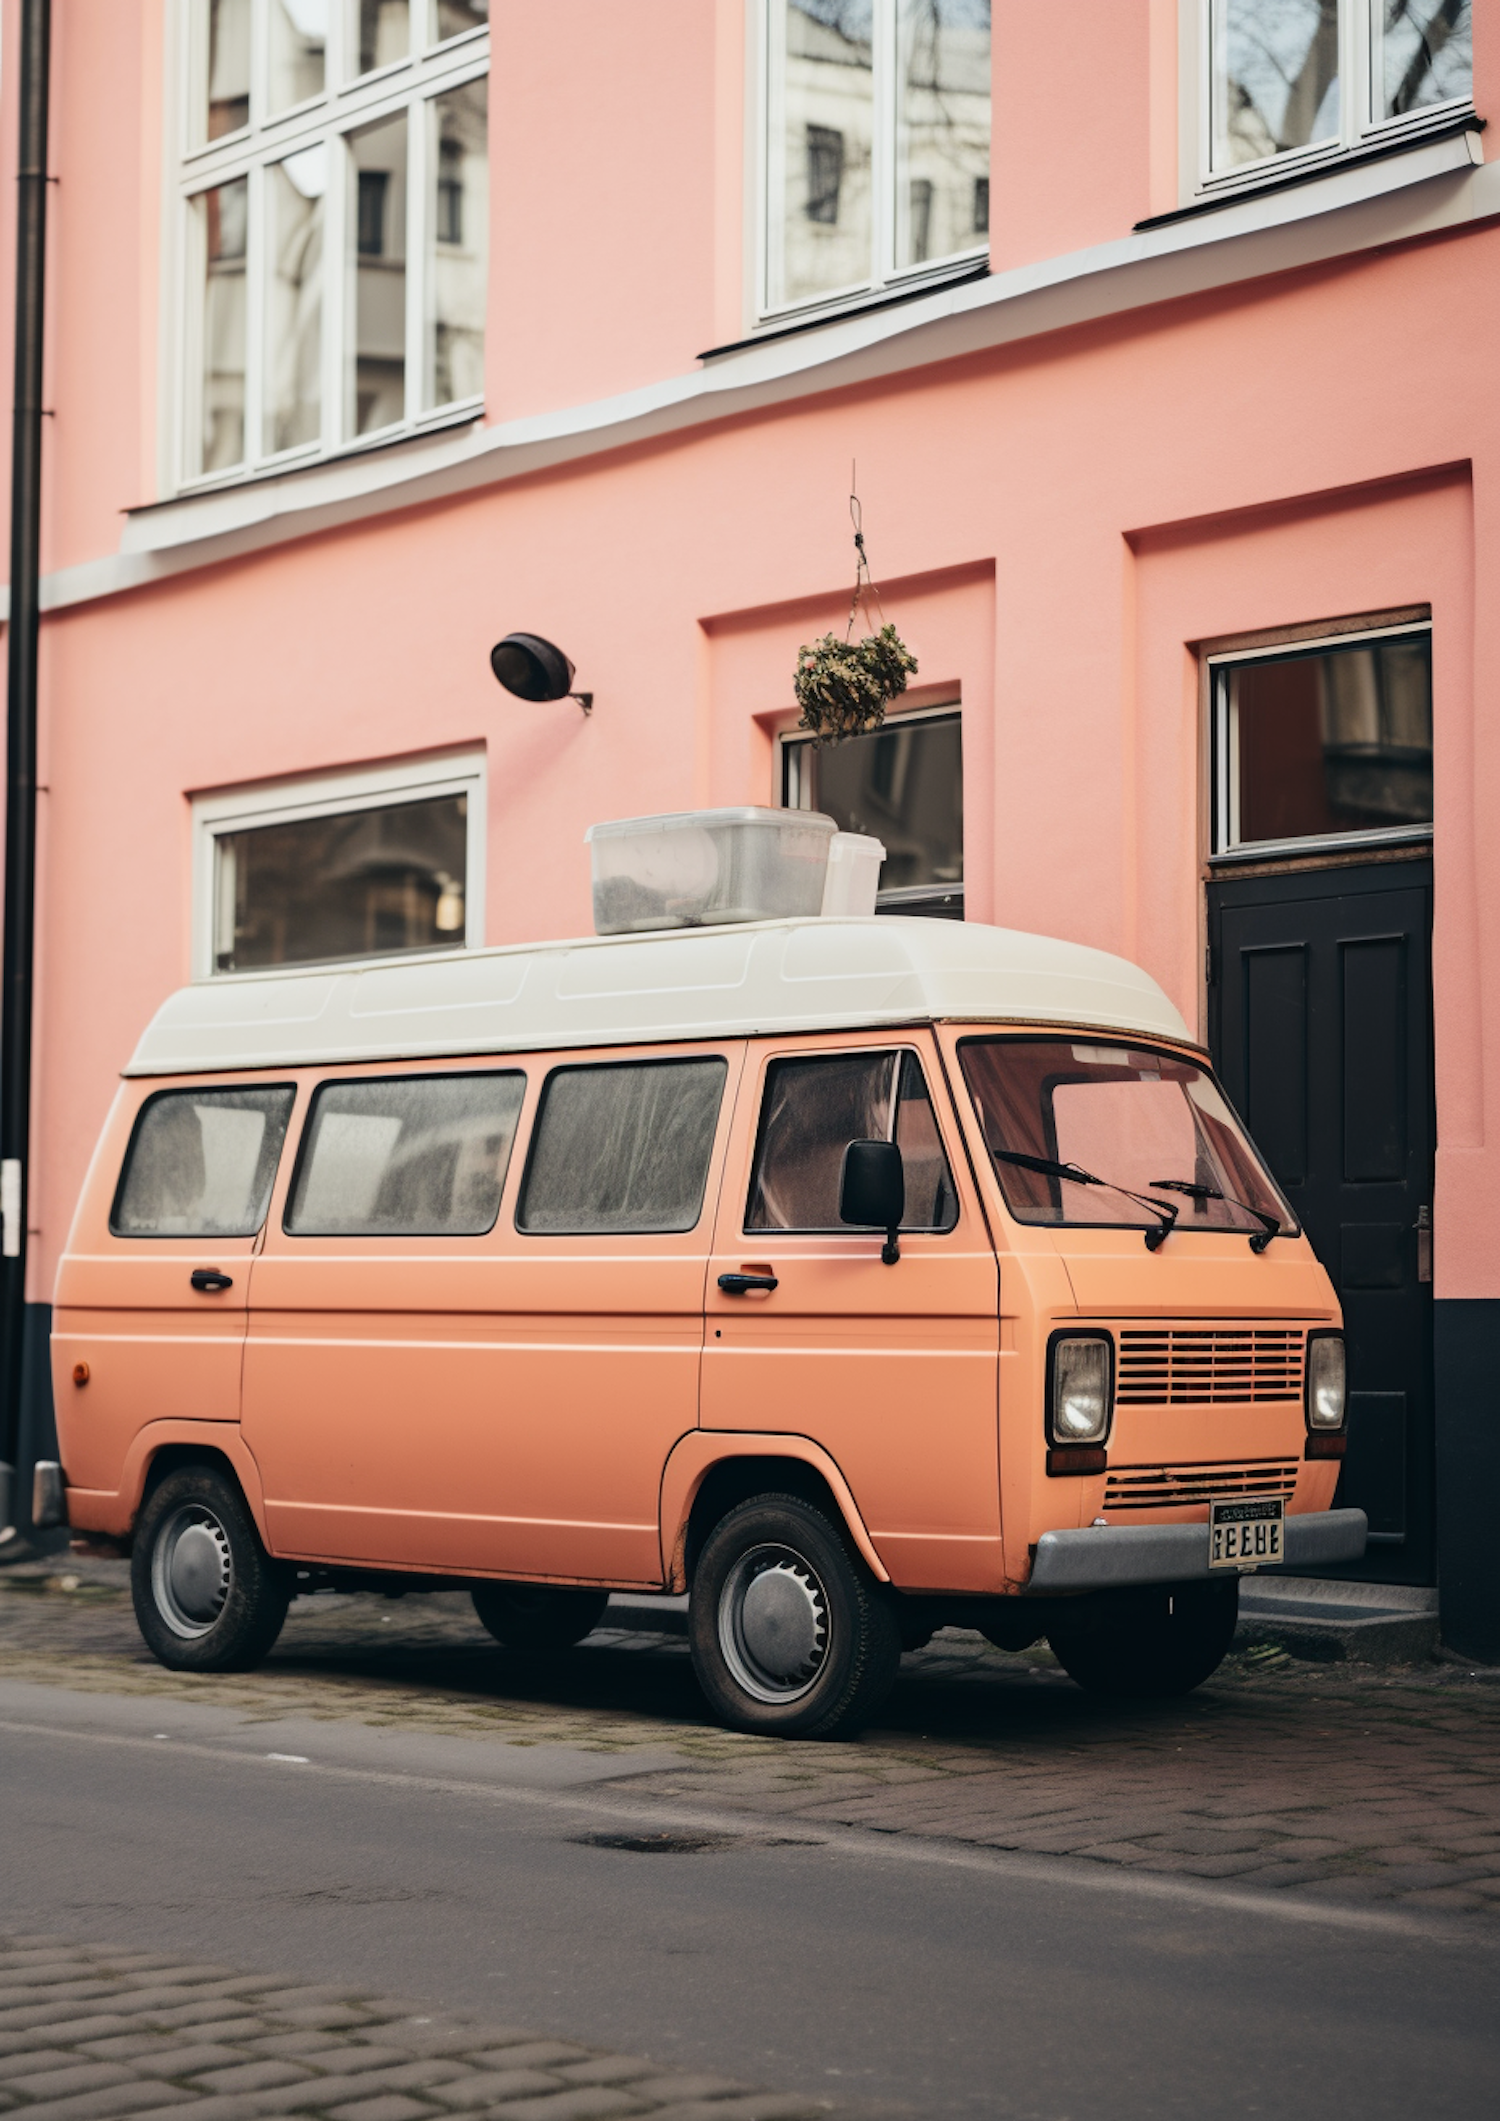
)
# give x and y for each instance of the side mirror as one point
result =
(872, 1192)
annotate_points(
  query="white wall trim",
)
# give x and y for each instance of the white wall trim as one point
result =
(1430, 188)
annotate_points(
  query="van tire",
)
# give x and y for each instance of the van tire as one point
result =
(538, 1618)
(814, 1655)
(208, 1597)
(1151, 1641)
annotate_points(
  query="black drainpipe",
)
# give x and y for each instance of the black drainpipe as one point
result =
(20, 747)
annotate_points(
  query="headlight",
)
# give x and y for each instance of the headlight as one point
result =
(1080, 1395)
(1325, 1381)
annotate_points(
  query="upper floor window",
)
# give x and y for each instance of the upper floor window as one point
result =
(877, 144)
(1296, 80)
(334, 186)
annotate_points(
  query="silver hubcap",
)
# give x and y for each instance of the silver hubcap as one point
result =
(192, 1570)
(773, 1624)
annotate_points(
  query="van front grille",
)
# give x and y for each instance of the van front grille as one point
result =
(1175, 1366)
(1170, 1487)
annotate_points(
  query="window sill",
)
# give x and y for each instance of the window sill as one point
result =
(857, 306)
(1353, 844)
(1311, 173)
(470, 413)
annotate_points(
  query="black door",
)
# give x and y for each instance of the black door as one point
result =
(1320, 1015)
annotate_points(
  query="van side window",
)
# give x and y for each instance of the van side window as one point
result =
(622, 1149)
(406, 1156)
(201, 1163)
(811, 1112)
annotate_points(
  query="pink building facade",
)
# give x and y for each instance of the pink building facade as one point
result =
(378, 331)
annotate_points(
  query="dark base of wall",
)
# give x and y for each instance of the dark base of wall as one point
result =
(38, 1433)
(1466, 1364)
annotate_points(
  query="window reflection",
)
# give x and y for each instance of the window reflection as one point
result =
(377, 363)
(367, 883)
(827, 134)
(406, 1156)
(383, 33)
(458, 217)
(201, 1163)
(299, 38)
(943, 132)
(221, 215)
(294, 310)
(228, 67)
(450, 18)
(1277, 77)
(813, 1109)
(1427, 53)
(904, 786)
(1339, 740)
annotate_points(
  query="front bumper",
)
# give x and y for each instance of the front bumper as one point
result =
(1106, 1556)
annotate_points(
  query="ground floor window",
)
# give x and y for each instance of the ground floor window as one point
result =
(1327, 741)
(904, 786)
(374, 864)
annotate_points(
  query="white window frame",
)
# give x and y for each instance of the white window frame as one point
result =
(335, 795)
(1361, 127)
(1225, 843)
(345, 106)
(767, 166)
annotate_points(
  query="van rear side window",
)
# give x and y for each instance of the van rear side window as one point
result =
(201, 1163)
(622, 1149)
(406, 1156)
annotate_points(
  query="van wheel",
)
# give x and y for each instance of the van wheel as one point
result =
(536, 1618)
(208, 1597)
(1158, 1640)
(790, 1633)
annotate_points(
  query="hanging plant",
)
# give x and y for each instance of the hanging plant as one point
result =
(843, 687)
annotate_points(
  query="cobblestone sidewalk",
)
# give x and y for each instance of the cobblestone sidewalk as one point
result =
(90, 2034)
(1344, 1782)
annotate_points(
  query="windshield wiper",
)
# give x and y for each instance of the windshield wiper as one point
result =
(1269, 1226)
(1049, 1167)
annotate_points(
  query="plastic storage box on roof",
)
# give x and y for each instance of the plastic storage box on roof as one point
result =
(702, 868)
(854, 860)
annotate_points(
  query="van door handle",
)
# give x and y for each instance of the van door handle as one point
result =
(742, 1284)
(210, 1280)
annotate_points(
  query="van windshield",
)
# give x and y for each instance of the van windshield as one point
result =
(1132, 1116)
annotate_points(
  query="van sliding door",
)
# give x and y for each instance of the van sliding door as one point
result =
(477, 1325)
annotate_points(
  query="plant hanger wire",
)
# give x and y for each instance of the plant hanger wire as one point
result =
(843, 687)
(864, 580)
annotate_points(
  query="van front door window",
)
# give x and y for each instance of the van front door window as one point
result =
(813, 1109)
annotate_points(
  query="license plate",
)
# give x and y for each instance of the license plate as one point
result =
(1245, 1535)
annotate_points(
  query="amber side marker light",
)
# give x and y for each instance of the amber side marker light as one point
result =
(1076, 1458)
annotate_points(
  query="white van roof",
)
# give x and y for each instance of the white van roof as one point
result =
(701, 983)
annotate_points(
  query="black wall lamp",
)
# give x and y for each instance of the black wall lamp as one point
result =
(533, 669)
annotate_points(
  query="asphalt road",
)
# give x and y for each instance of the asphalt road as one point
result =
(876, 1968)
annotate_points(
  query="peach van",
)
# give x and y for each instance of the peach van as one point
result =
(856, 1276)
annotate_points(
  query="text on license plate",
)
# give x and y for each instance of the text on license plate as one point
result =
(1245, 1535)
